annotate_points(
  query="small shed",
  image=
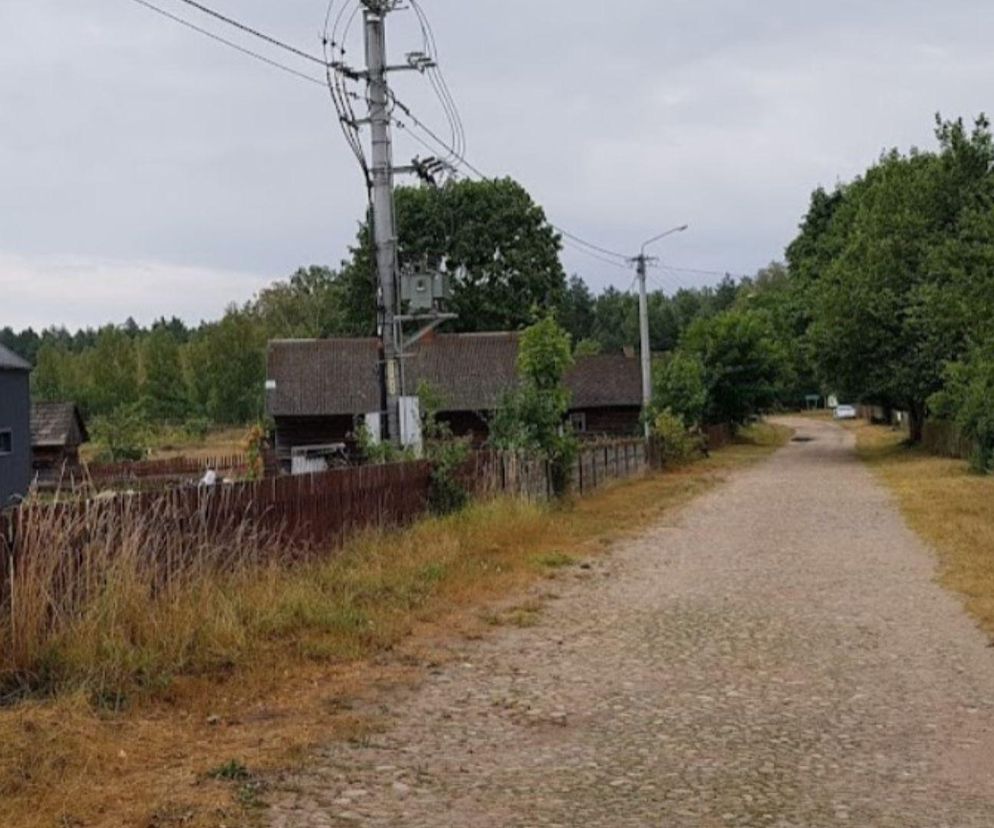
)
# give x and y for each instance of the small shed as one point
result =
(57, 432)
(15, 425)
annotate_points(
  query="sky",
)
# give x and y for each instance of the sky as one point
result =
(148, 171)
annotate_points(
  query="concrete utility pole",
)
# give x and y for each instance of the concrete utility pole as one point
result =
(384, 229)
(642, 266)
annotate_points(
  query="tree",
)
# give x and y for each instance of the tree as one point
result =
(679, 386)
(884, 320)
(163, 389)
(309, 305)
(490, 232)
(227, 366)
(112, 369)
(966, 400)
(577, 311)
(123, 434)
(531, 418)
(778, 293)
(742, 365)
(616, 321)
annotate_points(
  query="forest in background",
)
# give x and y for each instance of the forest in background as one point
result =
(886, 297)
(214, 373)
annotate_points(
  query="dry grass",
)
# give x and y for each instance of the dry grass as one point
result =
(168, 443)
(948, 505)
(273, 661)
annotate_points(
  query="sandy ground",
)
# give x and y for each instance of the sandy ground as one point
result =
(776, 654)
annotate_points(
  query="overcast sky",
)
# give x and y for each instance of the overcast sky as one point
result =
(146, 170)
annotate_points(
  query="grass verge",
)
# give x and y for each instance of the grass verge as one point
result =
(287, 659)
(947, 505)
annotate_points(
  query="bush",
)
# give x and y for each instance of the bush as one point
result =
(676, 444)
(531, 417)
(679, 386)
(967, 401)
(447, 493)
(123, 435)
(197, 428)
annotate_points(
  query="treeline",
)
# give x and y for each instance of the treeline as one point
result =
(491, 233)
(892, 283)
(216, 371)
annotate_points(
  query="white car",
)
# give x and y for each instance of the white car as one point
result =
(845, 412)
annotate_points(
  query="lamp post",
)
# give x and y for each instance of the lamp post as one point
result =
(641, 262)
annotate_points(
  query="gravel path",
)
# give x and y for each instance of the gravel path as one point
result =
(778, 654)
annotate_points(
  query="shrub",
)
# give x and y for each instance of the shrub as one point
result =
(447, 493)
(197, 428)
(967, 401)
(676, 444)
(531, 418)
(123, 435)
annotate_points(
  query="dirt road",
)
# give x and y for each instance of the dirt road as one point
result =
(776, 655)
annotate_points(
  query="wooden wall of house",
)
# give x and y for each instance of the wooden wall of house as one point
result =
(467, 424)
(53, 459)
(292, 432)
(614, 422)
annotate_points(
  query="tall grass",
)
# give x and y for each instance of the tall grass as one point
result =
(117, 594)
(116, 601)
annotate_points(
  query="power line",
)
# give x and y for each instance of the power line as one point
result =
(256, 55)
(604, 259)
(592, 248)
(340, 96)
(721, 273)
(254, 32)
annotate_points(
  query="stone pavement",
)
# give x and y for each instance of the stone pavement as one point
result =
(776, 654)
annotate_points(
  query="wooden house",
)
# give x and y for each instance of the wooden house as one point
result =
(319, 391)
(57, 432)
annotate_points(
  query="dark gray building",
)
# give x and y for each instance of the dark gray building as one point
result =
(15, 426)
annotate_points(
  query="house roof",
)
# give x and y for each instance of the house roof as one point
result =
(471, 372)
(605, 381)
(9, 361)
(57, 425)
(323, 377)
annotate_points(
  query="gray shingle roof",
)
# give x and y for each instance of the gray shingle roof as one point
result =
(323, 377)
(56, 425)
(9, 361)
(471, 372)
(606, 381)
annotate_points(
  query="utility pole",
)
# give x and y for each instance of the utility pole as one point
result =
(422, 293)
(641, 263)
(384, 228)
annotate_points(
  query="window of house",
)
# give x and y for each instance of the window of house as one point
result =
(6, 441)
(578, 419)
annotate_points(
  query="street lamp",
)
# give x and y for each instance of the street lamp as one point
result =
(641, 261)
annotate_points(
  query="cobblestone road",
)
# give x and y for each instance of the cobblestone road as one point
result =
(777, 655)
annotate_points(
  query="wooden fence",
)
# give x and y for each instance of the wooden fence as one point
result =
(285, 518)
(173, 467)
(943, 438)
